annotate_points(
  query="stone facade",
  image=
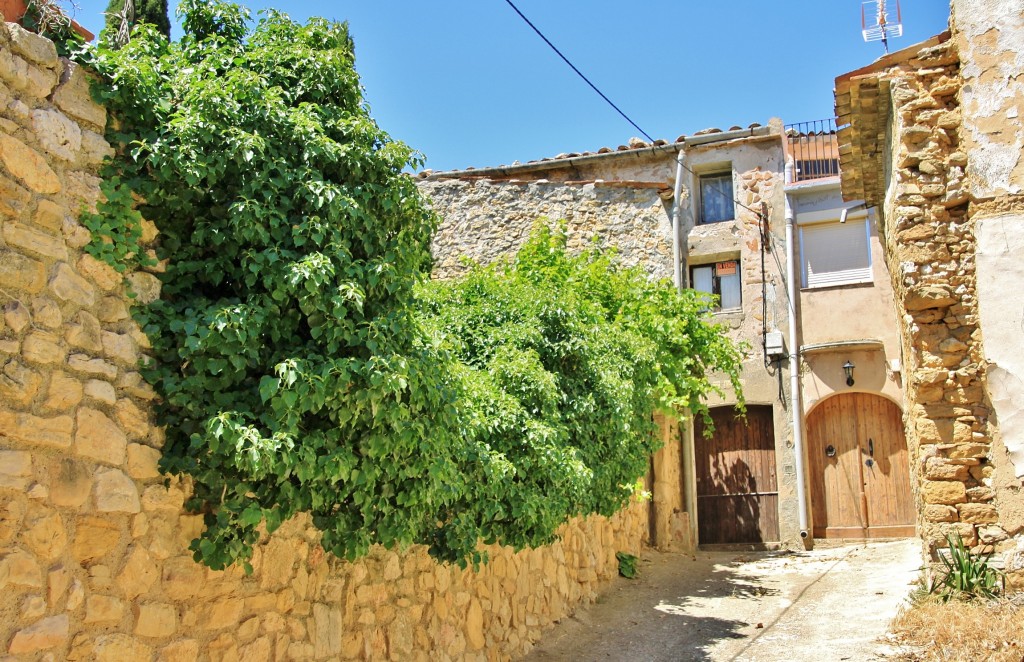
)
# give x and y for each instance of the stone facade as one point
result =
(94, 558)
(938, 126)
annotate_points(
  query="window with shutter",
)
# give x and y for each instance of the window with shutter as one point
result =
(836, 253)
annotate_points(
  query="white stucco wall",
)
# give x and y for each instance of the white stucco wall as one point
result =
(1000, 274)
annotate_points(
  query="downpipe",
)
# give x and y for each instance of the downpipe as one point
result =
(796, 397)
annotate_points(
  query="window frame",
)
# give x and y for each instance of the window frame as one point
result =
(727, 175)
(857, 275)
(716, 283)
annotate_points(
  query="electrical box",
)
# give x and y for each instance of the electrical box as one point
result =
(774, 345)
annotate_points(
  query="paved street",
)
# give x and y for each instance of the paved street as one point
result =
(824, 605)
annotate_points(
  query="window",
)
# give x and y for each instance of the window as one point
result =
(815, 168)
(716, 198)
(721, 279)
(836, 253)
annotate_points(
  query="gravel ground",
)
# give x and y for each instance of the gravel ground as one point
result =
(823, 605)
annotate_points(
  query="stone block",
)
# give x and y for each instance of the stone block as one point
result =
(156, 620)
(186, 650)
(103, 609)
(257, 651)
(57, 583)
(158, 497)
(21, 272)
(85, 365)
(112, 309)
(327, 631)
(46, 634)
(145, 286)
(966, 451)
(15, 465)
(938, 469)
(132, 420)
(120, 647)
(115, 492)
(29, 166)
(14, 198)
(46, 312)
(943, 492)
(139, 574)
(62, 393)
(928, 296)
(52, 432)
(69, 286)
(17, 316)
(101, 273)
(20, 568)
(32, 79)
(32, 47)
(42, 348)
(121, 348)
(182, 578)
(74, 97)
(938, 513)
(57, 133)
(34, 242)
(95, 148)
(45, 535)
(99, 438)
(474, 625)
(18, 384)
(222, 614)
(33, 608)
(85, 333)
(101, 391)
(50, 216)
(978, 513)
(143, 462)
(70, 483)
(94, 538)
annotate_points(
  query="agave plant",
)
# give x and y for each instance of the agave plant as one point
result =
(967, 576)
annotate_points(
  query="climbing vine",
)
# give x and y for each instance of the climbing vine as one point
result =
(303, 363)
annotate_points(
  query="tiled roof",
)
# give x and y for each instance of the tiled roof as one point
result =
(634, 144)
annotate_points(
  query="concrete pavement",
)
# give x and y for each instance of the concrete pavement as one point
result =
(825, 605)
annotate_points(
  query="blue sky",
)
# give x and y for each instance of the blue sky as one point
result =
(467, 83)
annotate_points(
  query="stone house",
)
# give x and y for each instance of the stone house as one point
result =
(932, 141)
(710, 211)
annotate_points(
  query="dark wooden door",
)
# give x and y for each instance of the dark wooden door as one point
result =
(860, 480)
(737, 492)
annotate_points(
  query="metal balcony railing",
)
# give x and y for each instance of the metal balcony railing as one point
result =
(813, 148)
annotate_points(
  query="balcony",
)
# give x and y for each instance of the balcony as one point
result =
(814, 149)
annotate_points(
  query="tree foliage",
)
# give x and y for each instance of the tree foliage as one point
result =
(153, 12)
(562, 360)
(297, 368)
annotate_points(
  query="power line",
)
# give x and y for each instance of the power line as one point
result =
(612, 104)
(578, 72)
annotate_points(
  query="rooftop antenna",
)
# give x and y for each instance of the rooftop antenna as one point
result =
(880, 27)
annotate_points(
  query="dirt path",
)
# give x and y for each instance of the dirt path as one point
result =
(823, 605)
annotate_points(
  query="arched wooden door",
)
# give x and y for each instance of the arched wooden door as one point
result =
(860, 480)
(737, 492)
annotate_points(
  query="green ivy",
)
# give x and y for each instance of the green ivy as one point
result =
(302, 362)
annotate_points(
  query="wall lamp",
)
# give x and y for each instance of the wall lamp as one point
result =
(848, 369)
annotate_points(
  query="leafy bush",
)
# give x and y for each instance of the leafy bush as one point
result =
(966, 575)
(563, 358)
(627, 564)
(297, 369)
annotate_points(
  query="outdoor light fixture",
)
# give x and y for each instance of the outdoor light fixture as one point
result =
(848, 369)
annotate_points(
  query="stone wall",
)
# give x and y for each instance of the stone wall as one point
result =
(935, 208)
(486, 219)
(94, 560)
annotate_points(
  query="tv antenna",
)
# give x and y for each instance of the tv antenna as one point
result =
(880, 27)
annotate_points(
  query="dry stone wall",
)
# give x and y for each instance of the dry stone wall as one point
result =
(94, 560)
(484, 220)
(931, 245)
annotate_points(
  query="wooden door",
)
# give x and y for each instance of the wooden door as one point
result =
(737, 492)
(860, 480)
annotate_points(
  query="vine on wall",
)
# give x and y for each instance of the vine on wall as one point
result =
(299, 370)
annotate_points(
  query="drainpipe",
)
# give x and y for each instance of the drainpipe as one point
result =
(796, 398)
(685, 436)
(677, 191)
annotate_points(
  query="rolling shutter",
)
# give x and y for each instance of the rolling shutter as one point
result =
(835, 253)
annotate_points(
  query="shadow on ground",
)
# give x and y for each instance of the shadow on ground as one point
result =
(662, 615)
